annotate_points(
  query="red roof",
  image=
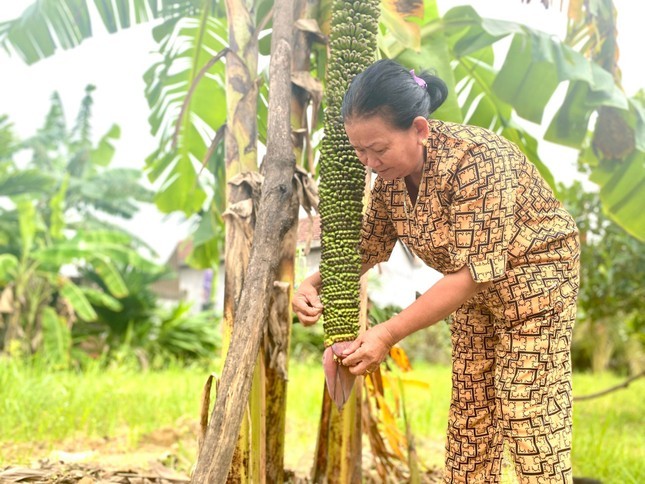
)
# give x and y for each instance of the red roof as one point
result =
(308, 229)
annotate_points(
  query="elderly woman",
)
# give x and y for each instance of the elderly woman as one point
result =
(469, 204)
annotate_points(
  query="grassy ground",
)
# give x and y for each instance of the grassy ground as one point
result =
(127, 412)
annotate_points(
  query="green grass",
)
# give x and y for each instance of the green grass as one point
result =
(39, 406)
(43, 408)
(608, 439)
(609, 431)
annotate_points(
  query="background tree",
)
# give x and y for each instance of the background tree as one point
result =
(611, 311)
(191, 95)
(52, 234)
(414, 33)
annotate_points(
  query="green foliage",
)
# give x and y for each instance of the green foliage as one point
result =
(7, 139)
(184, 336)
(611, 307)
(186, 94)
(47, 25)
(136, 326)
(187, 97)
(57, 340)
(97, 402)
(78, 171)
(187, 106)
(306, 342)
(459, 46)
(47, 206)
(607, 442)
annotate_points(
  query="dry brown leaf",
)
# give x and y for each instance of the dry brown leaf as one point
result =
(311, 26)
(400, 357)
(22, 474)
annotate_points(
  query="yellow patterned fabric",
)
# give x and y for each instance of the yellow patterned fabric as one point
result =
(483, 205)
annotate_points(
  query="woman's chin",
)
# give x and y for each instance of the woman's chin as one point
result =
(386, 175)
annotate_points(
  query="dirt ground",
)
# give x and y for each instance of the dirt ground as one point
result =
(159, 457)
(164, 456)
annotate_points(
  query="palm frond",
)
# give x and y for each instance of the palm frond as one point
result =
(187, 46)
(49, 25)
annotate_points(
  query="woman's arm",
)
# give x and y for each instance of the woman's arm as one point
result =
(438, 302)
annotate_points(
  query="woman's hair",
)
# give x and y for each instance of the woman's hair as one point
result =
(390, 90)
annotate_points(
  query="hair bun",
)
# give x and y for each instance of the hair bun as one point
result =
(437, 90)
(392, 91)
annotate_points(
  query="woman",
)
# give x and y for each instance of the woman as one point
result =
(469, 204)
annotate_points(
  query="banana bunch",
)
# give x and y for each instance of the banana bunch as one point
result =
(354, 27)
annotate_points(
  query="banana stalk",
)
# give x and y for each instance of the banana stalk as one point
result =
(352, 44)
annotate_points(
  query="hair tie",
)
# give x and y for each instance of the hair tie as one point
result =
(418, 80)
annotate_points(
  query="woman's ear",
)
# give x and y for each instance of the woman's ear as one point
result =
(420, 125)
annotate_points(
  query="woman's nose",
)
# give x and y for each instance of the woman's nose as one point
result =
(371, 161)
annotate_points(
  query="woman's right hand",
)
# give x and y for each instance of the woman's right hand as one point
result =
(306, 303)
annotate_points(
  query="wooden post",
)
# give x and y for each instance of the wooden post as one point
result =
(275, 218)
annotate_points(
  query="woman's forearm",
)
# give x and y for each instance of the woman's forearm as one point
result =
(437, 303)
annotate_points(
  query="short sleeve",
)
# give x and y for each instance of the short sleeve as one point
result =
(482, 212)
(378, 234)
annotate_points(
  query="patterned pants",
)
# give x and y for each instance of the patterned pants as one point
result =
(511, 382)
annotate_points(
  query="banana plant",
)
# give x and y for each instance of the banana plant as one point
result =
(32, 277)
(185, 92)
(49, 221)
(459, 45)
(611, 290)
(49, 25)
(68, 157)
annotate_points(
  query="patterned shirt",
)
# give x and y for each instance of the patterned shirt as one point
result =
(482, 204)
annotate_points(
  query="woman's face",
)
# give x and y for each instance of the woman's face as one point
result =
(389, 151)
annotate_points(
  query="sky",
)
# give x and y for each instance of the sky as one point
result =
(115, 65)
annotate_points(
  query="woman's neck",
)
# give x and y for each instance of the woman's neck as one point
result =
(412, 187)
(413, 180)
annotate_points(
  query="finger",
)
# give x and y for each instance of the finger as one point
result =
(313, 300)
(308, 320)
(359, 369)
(307, 300)
(307, 310)
(352, 347)
(354, 359)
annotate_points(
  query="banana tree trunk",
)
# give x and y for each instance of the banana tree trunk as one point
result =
(278, 325)
(240, 217)
(277, 340)
(241, 88)
(306, 90)
(241, 160)
(276, 216)
(276, 353)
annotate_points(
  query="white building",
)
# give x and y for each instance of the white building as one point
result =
(395, 282)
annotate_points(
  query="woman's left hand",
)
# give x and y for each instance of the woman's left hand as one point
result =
(368, 351)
